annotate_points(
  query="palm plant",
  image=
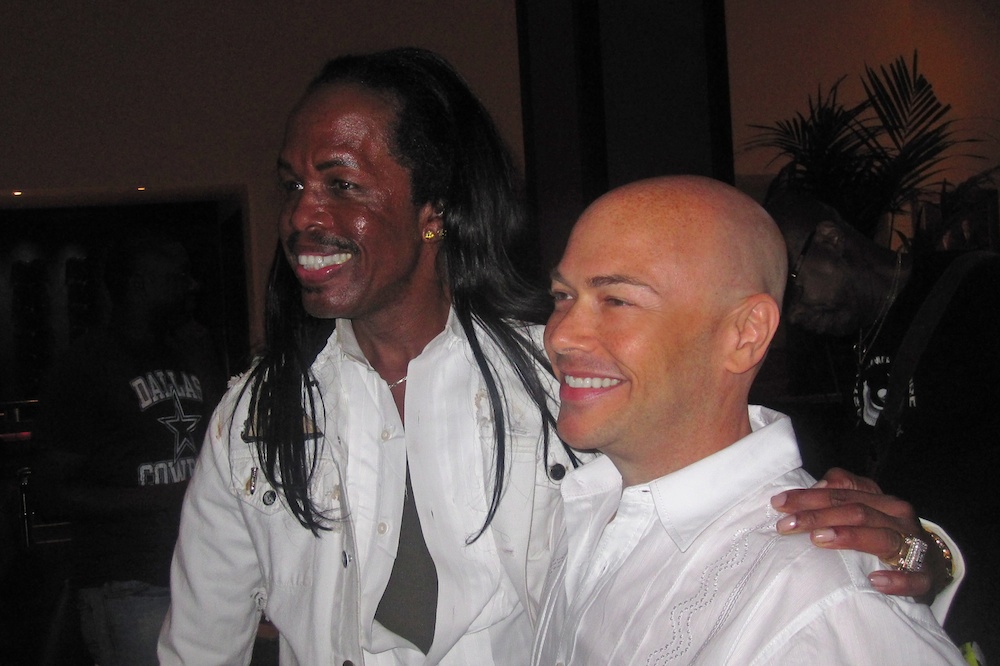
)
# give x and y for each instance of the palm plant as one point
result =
(869, 159)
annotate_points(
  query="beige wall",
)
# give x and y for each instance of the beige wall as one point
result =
(187, 96)
(780, 50)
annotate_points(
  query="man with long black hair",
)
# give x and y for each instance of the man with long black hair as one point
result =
(392, 302)
(400, 204)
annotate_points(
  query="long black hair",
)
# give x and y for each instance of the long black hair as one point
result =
(459, 163)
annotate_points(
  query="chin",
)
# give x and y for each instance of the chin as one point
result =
(321, 309)
(578, 436)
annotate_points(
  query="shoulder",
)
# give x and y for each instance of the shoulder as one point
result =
(852, 624)
(230, 416)
(804, 598)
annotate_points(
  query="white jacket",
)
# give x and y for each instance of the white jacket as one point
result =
(241, 553)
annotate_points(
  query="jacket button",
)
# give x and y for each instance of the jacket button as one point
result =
(346, 558)
(269, 498)
(348, 663)
(557, 472)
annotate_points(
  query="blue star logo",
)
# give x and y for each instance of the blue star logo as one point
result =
(183, 426)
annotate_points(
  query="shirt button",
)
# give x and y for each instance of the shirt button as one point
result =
(557, 472)
(346, 558)
(382, 528)
(386, 435)
(269, 498)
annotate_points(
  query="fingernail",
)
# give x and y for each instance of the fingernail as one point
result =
(779, 500)
(787, 524)
(825, 535)
(879, 580)
(822, 483)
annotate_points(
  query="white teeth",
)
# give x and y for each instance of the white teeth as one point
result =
(591, 382)
(314, 262)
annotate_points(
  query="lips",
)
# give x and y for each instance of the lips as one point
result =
(590, 382)
(316, 255)
(316, 268)
(582, 388)
(314, 262)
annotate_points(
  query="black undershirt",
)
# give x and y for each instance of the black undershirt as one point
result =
(409, 603)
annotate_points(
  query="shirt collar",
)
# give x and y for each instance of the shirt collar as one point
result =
(597, 477)
(690, 499)
(344, 338)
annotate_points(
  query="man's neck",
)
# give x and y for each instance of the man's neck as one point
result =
(391, 340)
(685, 446)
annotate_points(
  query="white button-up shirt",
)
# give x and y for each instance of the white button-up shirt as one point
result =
(441, 443)
(240, 550)
(688, 569)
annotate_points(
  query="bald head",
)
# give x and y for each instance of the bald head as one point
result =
(722, 239)
(666, 300)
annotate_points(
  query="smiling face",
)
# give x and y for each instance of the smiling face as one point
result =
(665, 304)
(634, 335)
(348, 225)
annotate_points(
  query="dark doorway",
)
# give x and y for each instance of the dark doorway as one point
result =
(52, 292)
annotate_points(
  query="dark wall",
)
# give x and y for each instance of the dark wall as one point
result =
(618, 91)
(51, 289)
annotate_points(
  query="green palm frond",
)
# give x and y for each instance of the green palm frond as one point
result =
(869, 159)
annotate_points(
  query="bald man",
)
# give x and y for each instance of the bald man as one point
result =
(665, 303)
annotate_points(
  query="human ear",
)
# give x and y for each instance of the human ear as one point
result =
(754, 323)
(432, 222)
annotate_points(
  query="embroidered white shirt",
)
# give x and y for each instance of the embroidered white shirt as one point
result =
(688, 569)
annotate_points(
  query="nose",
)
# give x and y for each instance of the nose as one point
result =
(570, 328)
(303, 211)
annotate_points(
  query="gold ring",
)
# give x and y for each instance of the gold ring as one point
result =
(910, 556)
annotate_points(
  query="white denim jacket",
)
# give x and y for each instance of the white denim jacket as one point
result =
(241, 552)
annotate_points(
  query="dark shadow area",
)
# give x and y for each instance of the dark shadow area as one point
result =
(51, 294)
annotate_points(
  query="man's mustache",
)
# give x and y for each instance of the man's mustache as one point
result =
(321, 238)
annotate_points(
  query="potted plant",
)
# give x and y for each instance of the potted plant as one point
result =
(870, 159)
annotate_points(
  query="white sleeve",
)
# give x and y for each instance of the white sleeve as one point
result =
(942, 602)
(865, 628)
(215, 577)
